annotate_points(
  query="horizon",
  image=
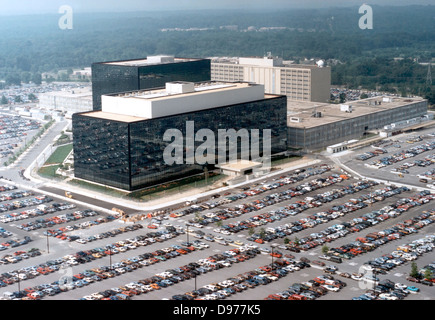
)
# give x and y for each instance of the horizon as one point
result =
(27, 7)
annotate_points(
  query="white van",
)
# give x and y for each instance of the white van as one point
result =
(8, 295)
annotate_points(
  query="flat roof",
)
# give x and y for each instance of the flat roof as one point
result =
(146, 62)
(283, 65)
(82, 93)
(162, 93)
(304, 110)
(200, 88)
(240, 165)
(183, 97)
(112, 116)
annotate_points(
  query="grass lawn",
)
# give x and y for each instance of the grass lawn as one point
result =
(48, 172)
(60, 154)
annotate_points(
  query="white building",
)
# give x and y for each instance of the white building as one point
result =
(296, 81)
(68, 101)
(180, 97)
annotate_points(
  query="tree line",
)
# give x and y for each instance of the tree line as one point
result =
(34, 45)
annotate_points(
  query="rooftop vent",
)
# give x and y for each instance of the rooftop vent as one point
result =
(178, 87)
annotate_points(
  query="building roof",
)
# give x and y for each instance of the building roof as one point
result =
(182, 97)
(112, 116)
(151, 60)
(80, 93)
(156, 103)
(164, 93)
(302, 112)
(240, 165)
(265, 62)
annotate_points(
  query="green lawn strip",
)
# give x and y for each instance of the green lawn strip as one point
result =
(48, 171)
(59, 155)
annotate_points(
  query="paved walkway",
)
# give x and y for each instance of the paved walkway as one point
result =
(172, 200)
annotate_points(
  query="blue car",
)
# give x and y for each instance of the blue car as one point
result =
(413, 289)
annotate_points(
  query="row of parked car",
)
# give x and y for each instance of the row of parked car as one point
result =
(18, 256)
(18, 204)
(370, 154)
(427, 161)
(271, 216)
(39, 211)
(297, 176)
(7, 187)
(309, 290)
(325, 216)
(430, 174)
(260, 276)
(288, 210)
(178, 274)
(388, 290)
(354, 225)
(405, 253)
(5, 233)
(375, 239)
(62, 232)
(108, 234)
(403, 155)
(13, 243)
(59, 219)
(82, 257)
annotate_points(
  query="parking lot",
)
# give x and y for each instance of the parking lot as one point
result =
(15, 132)
(408, 158)
(264, 241)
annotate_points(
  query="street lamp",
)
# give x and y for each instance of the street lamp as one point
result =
(18, 276)
(48, 245)
(374, 283)
(273, 246)
(110, 259)
(187, 233)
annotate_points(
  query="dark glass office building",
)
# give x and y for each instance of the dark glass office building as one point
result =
(127, 153)
(129, 75)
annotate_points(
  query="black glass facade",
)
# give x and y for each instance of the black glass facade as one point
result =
(109, 78)
(129, 155)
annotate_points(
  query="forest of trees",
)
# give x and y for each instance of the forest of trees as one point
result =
(32, 45)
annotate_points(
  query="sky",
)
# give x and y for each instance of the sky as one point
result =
(19, 7)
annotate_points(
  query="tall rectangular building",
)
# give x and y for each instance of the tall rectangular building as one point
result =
(152, 72)
(296, 81)
(124, 145)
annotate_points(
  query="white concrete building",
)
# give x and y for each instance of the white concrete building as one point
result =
(180, 97)
(67, 101)
(296, 81)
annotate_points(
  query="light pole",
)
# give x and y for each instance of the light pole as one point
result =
(187, 233)
(110, 259)
(48, 245)
(18, 276)
(273, 246)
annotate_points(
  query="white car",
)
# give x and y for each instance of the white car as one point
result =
(388, 296)
(400, 286)
(330, 288)
(356, 277)
(289, 268)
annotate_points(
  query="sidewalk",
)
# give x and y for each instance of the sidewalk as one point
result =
(176, 199)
